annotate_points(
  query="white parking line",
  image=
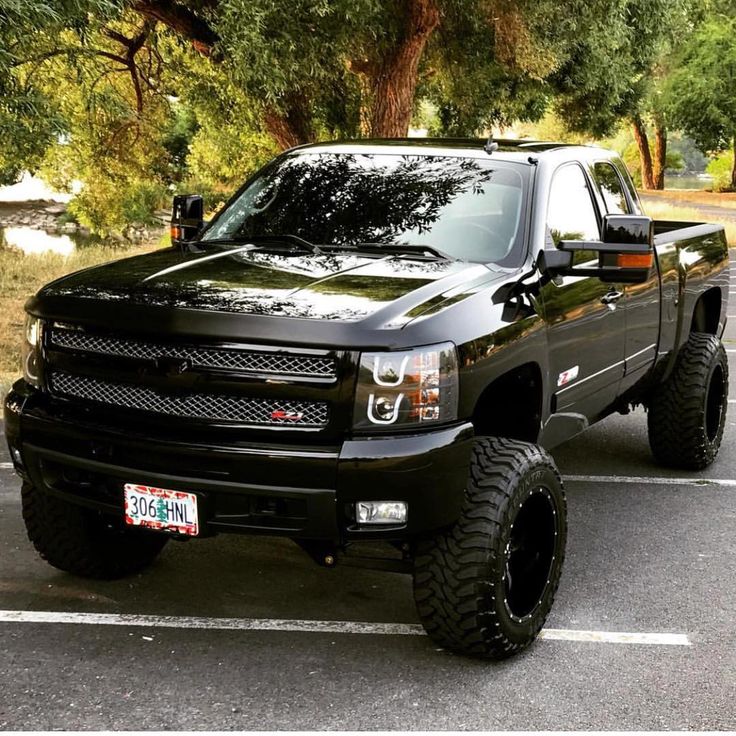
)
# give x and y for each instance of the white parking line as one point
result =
(6, 466)
(615, 637)
(661, 481)
(305, 626)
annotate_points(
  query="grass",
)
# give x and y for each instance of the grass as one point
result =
(716, 199)
(665, 211)
(22, 275)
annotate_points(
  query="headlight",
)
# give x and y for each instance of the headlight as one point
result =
(31, 351)
(407, 388)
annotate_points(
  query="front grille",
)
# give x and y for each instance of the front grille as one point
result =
(253, 362)
(207, 406)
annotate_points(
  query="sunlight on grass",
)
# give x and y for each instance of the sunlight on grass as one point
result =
(21, 276)
(715, 199)
(664, 211)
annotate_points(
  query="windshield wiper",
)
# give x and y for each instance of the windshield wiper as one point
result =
(406, 248)
(281, 239)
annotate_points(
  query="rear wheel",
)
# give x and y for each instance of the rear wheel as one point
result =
(84, 542)
(687, 412)
(486, 586)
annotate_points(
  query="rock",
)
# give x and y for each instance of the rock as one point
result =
(69, 227)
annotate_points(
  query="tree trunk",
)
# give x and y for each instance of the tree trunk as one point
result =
(640, 135)
(733, 169)
(660, 152)
(396, 77)
(292, 126)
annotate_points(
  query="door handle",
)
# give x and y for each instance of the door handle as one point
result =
(611, 297)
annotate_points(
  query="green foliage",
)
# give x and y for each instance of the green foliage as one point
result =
(107, 205)
(552, 128)
(721, 168)
(276, 50)
(487, 63)
(29, 118)
(700, 92)
(616, 49)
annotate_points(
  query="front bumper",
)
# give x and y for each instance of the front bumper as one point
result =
(301, 492)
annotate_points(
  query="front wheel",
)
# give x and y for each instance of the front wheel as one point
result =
(83, 542)
(486, 586)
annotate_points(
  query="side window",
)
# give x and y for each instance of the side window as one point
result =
(609, 183)
(630, 188)
(570, 212)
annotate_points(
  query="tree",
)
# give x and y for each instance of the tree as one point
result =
(29, 122)
(616, 71)
(700, 92)
(312, 63)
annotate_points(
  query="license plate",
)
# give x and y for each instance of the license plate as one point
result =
(160, 508)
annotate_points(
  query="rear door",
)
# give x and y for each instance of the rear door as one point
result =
(641, 302)
(585, 327)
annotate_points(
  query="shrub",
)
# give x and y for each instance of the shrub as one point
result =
(106, 205)
(720, 169)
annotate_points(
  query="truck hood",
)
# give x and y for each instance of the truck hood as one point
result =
(388, 291)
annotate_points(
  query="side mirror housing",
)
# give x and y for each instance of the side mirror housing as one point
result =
(555, 262)
(187, 217)
(624, 230)
(625, 253)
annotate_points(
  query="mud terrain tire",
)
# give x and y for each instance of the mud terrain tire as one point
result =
(83, 542)
(687, 412)
(485, 586)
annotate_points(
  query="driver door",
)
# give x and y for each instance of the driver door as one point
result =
(585, 324)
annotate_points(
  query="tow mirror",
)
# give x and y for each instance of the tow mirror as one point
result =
(187, 217)
(624, 230)
(625, 253)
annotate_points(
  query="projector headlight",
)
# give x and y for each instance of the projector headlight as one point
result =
(407, 388)
(31, 351)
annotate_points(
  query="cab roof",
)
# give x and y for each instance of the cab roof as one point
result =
(517, 150)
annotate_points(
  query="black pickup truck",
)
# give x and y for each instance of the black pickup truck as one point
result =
(370, 350)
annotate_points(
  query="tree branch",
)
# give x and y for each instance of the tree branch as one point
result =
(181, 20)
(72, 51)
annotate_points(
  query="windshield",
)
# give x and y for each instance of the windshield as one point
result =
(467, 208)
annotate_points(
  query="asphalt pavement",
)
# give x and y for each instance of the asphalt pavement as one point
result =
(644, 557)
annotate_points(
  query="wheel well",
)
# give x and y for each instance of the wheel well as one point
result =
(511, 406)
(707, 312)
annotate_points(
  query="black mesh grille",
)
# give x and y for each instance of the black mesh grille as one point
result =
(243, 361)
(212, 407)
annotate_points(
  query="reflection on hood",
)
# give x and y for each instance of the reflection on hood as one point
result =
(247, 280)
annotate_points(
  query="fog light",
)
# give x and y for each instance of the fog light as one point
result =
(381, 512)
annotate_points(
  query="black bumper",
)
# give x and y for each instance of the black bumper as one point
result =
(302, 492)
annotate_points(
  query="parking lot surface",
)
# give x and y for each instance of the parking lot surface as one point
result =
(650, 552)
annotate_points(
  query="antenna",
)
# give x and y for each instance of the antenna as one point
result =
(490, 145)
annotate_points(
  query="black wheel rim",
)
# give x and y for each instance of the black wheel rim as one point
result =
(714, 404)
(530, 553)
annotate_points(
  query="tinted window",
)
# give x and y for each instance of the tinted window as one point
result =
(610, 185)
(570, 212)
(469, 208)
